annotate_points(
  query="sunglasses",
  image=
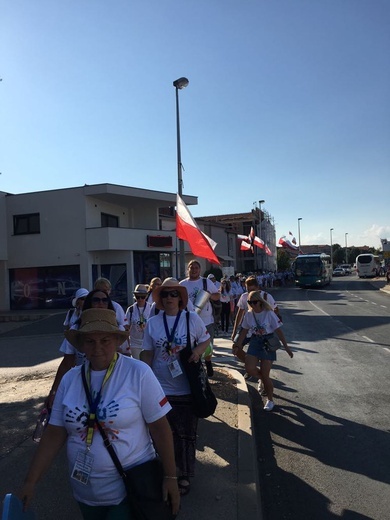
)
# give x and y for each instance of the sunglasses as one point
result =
(137, 297)
(96, 299)
(167, 294)
(253, 302)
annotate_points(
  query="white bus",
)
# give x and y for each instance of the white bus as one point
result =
(367, 265)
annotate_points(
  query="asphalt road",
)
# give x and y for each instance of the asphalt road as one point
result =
(324, 452)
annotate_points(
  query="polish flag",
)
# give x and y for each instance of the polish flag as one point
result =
(285, 242)
(268, 251)
(187, 229)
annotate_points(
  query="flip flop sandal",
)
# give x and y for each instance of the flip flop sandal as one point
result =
(184, 485)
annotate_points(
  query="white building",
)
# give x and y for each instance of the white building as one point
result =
(53, 242)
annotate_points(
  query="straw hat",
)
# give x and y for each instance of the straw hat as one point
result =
(80, 293)
(171, 284)
(141, 289)
(96, 320)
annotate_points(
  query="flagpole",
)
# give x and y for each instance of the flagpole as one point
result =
(179, 84)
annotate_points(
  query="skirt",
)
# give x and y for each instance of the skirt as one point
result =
(257, 348)
(184, 424)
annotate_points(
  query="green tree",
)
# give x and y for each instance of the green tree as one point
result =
(283, 260)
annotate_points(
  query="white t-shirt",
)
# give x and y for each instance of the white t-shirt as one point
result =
(243, 301)
(155, 339)
(131, 398)
(193, 288)
(120, 314)
(71, 317)
(261, 323)
(136, 319)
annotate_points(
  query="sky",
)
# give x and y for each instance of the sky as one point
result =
(288, 102)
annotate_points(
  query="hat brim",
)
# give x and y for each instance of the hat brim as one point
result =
(75, 336)
(182, 291)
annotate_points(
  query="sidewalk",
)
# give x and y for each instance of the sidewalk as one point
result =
(225, 483)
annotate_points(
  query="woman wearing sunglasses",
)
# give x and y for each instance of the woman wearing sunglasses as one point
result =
(137, 315)
(165, 335)
(262, 321)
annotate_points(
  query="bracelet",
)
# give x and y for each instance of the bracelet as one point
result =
(170, 478)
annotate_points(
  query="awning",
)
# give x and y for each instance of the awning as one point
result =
(226, 258)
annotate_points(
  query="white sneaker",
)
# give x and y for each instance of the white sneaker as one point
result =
(269, 406)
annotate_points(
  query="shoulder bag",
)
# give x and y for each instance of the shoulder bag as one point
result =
(204, 401)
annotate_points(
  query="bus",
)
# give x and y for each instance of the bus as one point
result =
(312, 270)
(367, 265)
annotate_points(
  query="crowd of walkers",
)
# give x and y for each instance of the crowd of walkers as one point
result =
(121, 382)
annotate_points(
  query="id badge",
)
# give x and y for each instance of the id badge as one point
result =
(82, 467)
(175, 368)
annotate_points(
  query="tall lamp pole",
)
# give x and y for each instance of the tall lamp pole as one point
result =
(299, 232)
(331, 247)
(262, 251)
(346, 248)
(179, 84)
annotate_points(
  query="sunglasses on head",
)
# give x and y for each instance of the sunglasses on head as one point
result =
(139, 297)
(253, 302)
(172, 294)
(96, 299)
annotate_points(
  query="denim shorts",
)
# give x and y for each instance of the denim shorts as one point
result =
(257, 348)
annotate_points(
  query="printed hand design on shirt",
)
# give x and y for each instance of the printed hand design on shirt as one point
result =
(259, 330)
(194, 294)
(178, 344)
(103, 413)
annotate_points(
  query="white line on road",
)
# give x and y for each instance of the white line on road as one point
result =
(368, 339)
(387, 349)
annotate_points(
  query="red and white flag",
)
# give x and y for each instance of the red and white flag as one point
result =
(187, 229)
(287, 244)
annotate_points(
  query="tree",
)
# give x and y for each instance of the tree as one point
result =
(283, 259)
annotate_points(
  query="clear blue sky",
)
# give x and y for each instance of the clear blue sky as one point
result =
(288, 101)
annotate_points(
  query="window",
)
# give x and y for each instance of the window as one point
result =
(109, 220)
(26, 224)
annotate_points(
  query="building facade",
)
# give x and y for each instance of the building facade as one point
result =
(53, 242)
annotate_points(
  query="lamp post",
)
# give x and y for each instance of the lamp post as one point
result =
(179, 84)
(331, 248)
(346, 248)
(262, 251)
(299, 232)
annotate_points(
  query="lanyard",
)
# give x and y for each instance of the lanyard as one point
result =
(93, 404)
(170, 337)
(141, 314)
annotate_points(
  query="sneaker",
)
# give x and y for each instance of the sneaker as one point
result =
(209, 369)
(269, 406)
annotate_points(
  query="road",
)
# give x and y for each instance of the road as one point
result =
(324, 453)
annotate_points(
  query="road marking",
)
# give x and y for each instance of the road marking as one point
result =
(368, 339)
(384, 306)
(387, 349)
(373, 303)
(319, 309)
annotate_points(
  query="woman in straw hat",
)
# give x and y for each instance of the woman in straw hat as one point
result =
(165, 335)
(262, 321)
(126, 399)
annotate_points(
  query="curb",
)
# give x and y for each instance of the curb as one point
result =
(248, 497)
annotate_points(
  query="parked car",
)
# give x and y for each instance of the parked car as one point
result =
(339, 271)
(346, 267)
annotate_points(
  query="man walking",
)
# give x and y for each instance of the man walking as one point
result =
(195, 283)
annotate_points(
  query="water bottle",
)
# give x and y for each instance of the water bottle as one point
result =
(41, 425)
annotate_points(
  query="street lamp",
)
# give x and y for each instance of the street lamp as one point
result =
(299, 232)
(331, 247)
(346, 249)
(262, 251)
(179, 84)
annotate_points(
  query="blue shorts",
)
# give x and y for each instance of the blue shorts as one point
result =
(257, 348)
